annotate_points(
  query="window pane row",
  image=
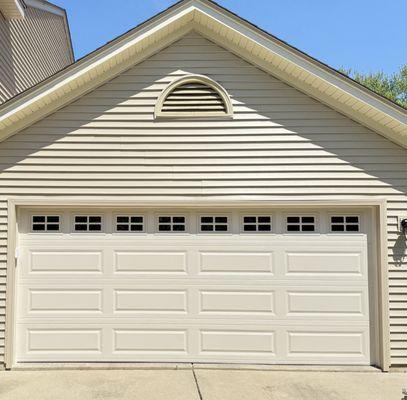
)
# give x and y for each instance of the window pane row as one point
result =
(206, 223)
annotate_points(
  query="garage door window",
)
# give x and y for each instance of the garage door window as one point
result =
(305, 223)
(257, 223)
(88, 223)
(345, 223)
(171, 223)
(130, 223)
(211, 223)
(45, 223)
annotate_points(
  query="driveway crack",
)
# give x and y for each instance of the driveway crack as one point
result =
(196, 383)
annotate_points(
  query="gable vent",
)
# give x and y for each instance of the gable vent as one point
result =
(194, 97)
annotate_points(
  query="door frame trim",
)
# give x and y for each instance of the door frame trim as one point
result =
(378, 204)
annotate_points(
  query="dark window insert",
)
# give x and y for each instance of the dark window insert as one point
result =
(129, 223)
(257, 223)
(345, 223)
(213, 223)
(88, 223)
(45, 223)
(171, 223)
(300, 223)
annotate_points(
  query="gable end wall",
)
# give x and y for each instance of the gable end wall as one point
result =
(280, 144)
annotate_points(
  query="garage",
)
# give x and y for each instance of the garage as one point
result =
(197, 190)
(259, 285)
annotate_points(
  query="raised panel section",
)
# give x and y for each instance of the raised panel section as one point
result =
(237, 302)
(154, 340)
(315, 263)
(213, 341)
(320, 302)
(151, 301)
(65, 300)
(326, 343)
(64, 340)
(236, 262)
(66, 261)
(150, 262)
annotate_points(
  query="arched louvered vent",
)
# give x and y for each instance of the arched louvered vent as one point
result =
(194, 96)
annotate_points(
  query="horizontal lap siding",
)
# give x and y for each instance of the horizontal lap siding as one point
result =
(31, 49)
(281, 144)
(7, 83)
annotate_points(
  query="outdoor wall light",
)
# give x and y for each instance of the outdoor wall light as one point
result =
(403, 226)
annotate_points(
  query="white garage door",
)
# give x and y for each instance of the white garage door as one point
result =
(165, 285)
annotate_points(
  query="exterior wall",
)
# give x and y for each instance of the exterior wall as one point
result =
(7, 81)
(31, 49)
(280, 144)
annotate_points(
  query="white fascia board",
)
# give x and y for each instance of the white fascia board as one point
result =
(20, 7)
(45, 6)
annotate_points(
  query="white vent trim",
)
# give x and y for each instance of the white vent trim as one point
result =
(223, 107)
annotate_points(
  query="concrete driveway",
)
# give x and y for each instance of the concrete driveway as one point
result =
(200, 383)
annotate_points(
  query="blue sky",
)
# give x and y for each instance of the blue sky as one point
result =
(365, 35)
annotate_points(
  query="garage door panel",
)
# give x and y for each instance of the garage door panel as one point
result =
(150, 262)
(317, 263)
(195, 299)
(39, 301)
(313, 344)
(43, 261)
(64, 300)
(237, 342)
(150, 341)
(63, 340)
(268, 298)
(225, 343)
(332, 303)
(249, 262)
(150, 301)
(228, 302)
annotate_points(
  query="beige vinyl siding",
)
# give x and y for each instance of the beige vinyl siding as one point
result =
(280, 144)
(12, 8)
(7, 82)
(31, 49)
